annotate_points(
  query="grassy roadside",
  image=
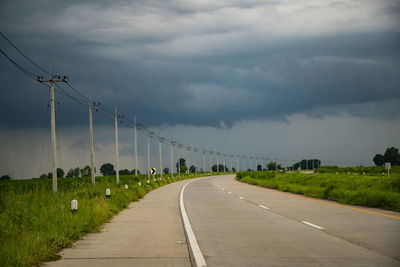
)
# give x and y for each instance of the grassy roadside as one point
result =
(35, 223)
(355, 189)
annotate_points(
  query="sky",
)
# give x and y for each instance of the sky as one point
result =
(284, 80)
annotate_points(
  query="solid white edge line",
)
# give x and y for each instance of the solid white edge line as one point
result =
(263, 207)
(313, 225)
(241, 197)
(198, 256)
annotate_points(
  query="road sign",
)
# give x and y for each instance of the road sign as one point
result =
(153, 171)
(388, 166)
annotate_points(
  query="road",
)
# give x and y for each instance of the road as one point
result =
(237, 224)
(232, 229)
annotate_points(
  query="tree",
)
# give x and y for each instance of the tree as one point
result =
(133, 172)
(220, 168)
(60, 173)
(124, 172)
(50, 175)
(86, 171)
(5, 177)
(182, 163)
(107, 169)
(259, 167)
(77, 172)
(43, 175)
(271, 166)
(70, 173)
(233, 169)
(166, 170)
(379, 160)
(192, 169)
(392, 155)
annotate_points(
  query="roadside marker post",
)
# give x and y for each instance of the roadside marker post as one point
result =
(74, 206)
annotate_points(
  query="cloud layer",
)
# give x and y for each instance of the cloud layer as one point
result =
(201, 62)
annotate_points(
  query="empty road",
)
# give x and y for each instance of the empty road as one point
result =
(236, 224)
(242, 225)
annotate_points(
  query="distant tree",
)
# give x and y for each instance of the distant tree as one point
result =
(5, 177)
(70, 173)
(133, 172)
(182, 162)
(184, 169)
(271, 166)
(192, 169)
(166, 170)
(50, 175)
(77, 172)
(43, 175)
(86, 171)
(220, 168)
(233, 169)
(124, 172)
(392, 155)
(379, 160)
(60, 173)
(259, 167)
(107, 169)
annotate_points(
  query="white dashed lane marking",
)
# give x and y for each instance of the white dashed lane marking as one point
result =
(313, 225)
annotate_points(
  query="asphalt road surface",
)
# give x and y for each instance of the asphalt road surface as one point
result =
(242, 225)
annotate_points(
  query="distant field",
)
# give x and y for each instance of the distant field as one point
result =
(35, 223)
(355, 189)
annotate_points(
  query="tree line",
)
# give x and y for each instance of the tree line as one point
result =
(391, 155)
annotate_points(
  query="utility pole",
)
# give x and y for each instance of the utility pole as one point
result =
(195, 159)
(160, 140)
(136, 159)
(204, 160)
(217, 162)
(224, 161)
(210, 160)
(91, 141)
(116, 145)
(244, 162)
(188, 157)
(231, 162)
(179, 160)
(237, 163)
(148, 157)
(172, 158)
(256, 164)
(52, 81)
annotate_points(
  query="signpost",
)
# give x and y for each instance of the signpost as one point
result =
(388, 167)
(153, 172)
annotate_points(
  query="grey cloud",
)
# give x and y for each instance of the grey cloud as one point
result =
(201, 63)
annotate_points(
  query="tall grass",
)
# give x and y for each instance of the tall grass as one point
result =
(355, 189)
(35, 223)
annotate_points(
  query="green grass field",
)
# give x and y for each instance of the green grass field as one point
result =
(355, 189)
(35, 223)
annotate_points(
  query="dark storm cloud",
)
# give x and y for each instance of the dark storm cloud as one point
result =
(202, 62)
